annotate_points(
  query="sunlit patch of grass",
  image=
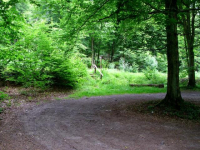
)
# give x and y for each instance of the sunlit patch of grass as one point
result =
(117, 82)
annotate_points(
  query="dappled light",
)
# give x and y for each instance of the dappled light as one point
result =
(99, 74)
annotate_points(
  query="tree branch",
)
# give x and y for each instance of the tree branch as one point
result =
(105, 2)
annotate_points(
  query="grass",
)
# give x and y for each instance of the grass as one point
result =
(1, 110)
(117, 82)
(3, 96)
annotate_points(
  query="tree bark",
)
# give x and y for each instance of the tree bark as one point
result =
(189, 33)
(173, 97)
(191, 67)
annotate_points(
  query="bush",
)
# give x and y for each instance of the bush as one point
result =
(154, 77)
(55, 70)
(183, 74)
(111, 66)
(151, 62)
(39, 61)
(150, 74)
(135, 67)
(105, 63)
(124, 66)
(68, 72)
(87, 61)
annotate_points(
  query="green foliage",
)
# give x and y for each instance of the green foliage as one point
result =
(162, 63)
(108, 85)
(41, 41)
(87, 61)
(183, 74)
(124, 66)
(105, 63)
(37, 61)
(30, 57)
(1, 110)
(68, 72)
(151, 62)
(150, 74)
(111, 66)
(3, 96)
(135, 67)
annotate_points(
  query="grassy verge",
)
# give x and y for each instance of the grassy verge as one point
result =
(116, 82)
(3, 96)
(110, 90)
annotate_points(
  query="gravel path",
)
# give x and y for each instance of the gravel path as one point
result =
(94, 124)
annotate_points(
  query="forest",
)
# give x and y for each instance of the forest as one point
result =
(99, 74)
(48, 43)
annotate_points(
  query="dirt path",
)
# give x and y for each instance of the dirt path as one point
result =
(95, 124)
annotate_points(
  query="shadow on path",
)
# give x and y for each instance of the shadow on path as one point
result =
(92, 124)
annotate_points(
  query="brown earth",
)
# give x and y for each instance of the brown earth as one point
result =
(96, 123)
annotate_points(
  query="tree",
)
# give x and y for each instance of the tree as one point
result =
(173, 96)
(139, 11)
(188, 24)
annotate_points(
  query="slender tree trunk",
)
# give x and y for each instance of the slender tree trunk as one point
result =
(191, 67)
(173, 96)
(192, 82)
(98, 52)
(189, 30)
(92, 48)
(186, 50)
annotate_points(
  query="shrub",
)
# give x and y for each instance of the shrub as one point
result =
(39, 61)
(154, 77)
(150, 73)
(105, 63)
(151, 62)
(58, 69)
(135, 67)
(68, 72)
(183, 74)
(87, 61)
(111, 66)
(124, 66)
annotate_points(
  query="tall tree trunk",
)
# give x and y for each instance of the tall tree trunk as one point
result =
(93, 53)
(189, 30)
(173, 96)
(191, 67)
(98, 52)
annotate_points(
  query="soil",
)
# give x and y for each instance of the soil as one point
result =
(96, 123)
